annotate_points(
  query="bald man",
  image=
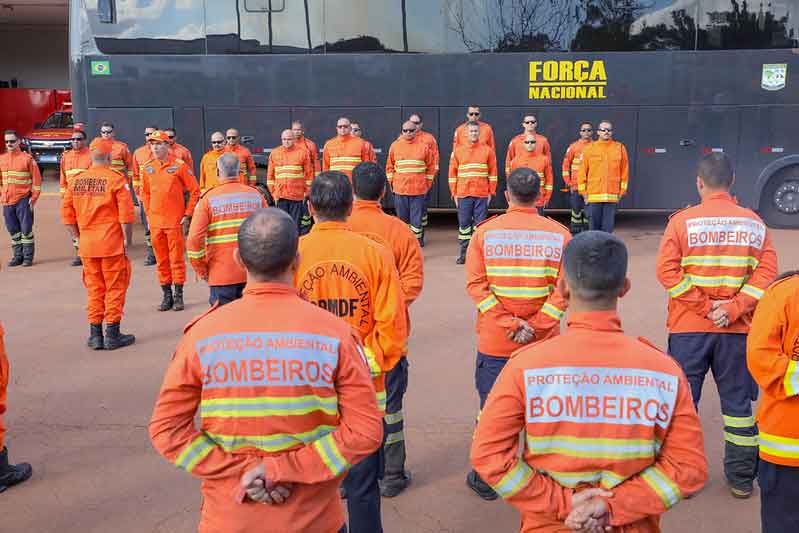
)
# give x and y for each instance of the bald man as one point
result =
(289, 175)
(208, 176)
(246, 162)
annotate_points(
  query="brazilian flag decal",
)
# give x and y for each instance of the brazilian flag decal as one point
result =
(101, 68)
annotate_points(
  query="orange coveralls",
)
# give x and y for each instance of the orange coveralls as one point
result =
(246, 162)
(345, 152)
(213, 235)
(141, 155)
(290, 173)
(618, 415)
(208, 176)
(430, 141)
(288, 389)
(516, 148)
(410, 167)
(571, 162)
(182, 153)
(541, 164)
(73, 162)
(98, 200)
(163, 186)
(313, 152)
(121, 160)
(473, 171)
(460, 138)
(512, 268)
(604, 172)
(19, 177)
(4, 378)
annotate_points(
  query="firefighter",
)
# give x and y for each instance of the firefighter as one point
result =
(772, 352)
(121, 160)
(97, 209)
(345, 151)
(141, 156)
(542, 164)
(272, 436)
(177, 149)
(165, 181)
(72, 162)
(486, 133)
(431, 142)
(571, 170)
(289, 175)
(357, 131)
(20, 187)
(516, 145)
(368, 219)
(602, 178)
(212, 236)
(715, 261)
(246, 162)
(410, 168)
(208, 167)
(10, 474)
(611, 436)
(300, 139)
(472, 183)
(513, 288)
(355, 279)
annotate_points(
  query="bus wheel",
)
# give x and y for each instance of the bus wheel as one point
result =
(779, 203)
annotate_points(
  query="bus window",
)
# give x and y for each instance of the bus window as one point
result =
(729, 25)
(363, 26)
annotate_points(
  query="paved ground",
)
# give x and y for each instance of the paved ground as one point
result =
(80, 416)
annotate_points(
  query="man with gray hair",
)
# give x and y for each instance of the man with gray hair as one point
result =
(214, 229)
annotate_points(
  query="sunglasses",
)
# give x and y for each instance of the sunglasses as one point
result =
(287, 139)
(531, 122)
(11, 142)
(233, 137)
(106, 132)
(587, 129)
(605, 130)
(170, 136)
(408, 130)
(217, 142)
(76, 139)
(474, 114)
(529, 142)
(342, 125)
(356, 129)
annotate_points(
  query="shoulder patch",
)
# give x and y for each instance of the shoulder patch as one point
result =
(649, 343)
(196, 319)
(488, 220)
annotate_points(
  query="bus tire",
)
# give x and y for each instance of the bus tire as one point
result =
(779, 201)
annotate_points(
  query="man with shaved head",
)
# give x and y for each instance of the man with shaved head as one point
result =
(289, 175)
(247, 164)
(212, 236)
(208, 177)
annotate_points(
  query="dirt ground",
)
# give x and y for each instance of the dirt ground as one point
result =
(80, 417)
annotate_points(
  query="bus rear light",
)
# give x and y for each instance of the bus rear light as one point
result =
(654, 150)
(772, 150)
(709, 150)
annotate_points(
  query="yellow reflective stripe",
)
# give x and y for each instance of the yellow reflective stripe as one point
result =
(791, 379)
(473, 165)
(329, 453)
(681, 288)
(565, 173)
(487, 303)
(393, 418)
(268, 406)
(453, 180)
(720, 261)
(431, 177)
(195, 452)
(288, 167)
(602, 197)
(195, 255)
(492, 178)
(522, 292)
(779, 446)
(593, 448)
(342, 158)
(223, 239)
(664, 487)
(739, 421)
(374, 368)
(73, 171)
(16, 174)
(751, 290)
(37, 187)
(716, 281)
(18, 182)
(514, 480)
(552, 311)
(270, 443)
(522, 271)
(62, 190)
(381, 400)
(606, 478)
(472, 174)
(411, 170)
(410, 162)
(229, 223)
(393, 438)
(740, 440)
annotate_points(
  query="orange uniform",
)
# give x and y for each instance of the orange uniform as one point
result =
(345, 152)
(140, 157)
(313, 152)
(98, 200)
(410, 167)
(208, 176)
(288, 389)
(246, 162)
(372, 153)
(512, 268)
(617, 415)
(772, 355)
(163, 186)
(714, 251)
(4, 377)
(516, 148)
(571, 162)
(460, 138)
(430, 140)
(355, 278)
(121, 160)
(182, 153)
(604, 172)
(541, 164)
(19, 177)
(289, 173)
(473, 171)
(214, 230)
(73, 162)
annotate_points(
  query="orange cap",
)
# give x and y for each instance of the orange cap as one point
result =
(102, 146)
(158, 136)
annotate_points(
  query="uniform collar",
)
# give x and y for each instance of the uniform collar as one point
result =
(595, 320)
(82, 150)
(170, 160)
(330, 225)
(268, 287)
(727, 197)
(585, 141)
(525, 210)
(373, 205)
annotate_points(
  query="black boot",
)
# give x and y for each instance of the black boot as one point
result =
(11, 475)
(166, 302)
(16, 258)
(76, 262)
(27, 254)
(114, 339)
(421, 239)
(178, 305)
(150, 259)
(480, 487)
(95, 341)
(395, 478)
(462, 257)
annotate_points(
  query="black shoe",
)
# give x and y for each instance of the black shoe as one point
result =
(167, 301)
(95, 341)
(27, 254)
(150, 259)
(114, 339)
(76, 262)
(393, 486)
(480, 487)
(11, 475)
(742, 491)
(421, 241)
(16, 258)
(178, 303)
(461, 258)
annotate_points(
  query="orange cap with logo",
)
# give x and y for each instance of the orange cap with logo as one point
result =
(158, 136)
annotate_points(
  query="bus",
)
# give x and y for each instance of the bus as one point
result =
(677, 79)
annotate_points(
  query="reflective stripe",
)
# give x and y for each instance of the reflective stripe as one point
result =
(374, 368)
(605, 478)
(37, 187)
(522, 271)
(16, 174)
(473, 165)
(62, 190)
(329, 453)
(751, 290)
(222, 239)
(195, 255)
(565, 173)
(268, 406)
(602, 197)
(552, 311)
(18, 182)
(195, 452)
(734, 282)
(381, 400)
(393, 438)
(681, 288)
(487, 303)
(522, 292)
(230, 223)
(453, 180)
(514, 481)
(270, 443)
(779, 446)
(492, 178)
(664, 487)
(720, 261)
(739, 421)
(345, 159)
(472, 174)
(73, 171)
(393, 418)
(593, 448)
(740, 440)
(431, 177)
(791, 379)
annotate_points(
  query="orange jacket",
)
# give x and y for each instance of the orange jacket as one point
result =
(182, 153)
(313, 152)
(121, 160)
(541, 164)
(140, 157)
(208, 176)
(72, 162)
(289, 173)
(473, 171)
(163, 186)
(410, 167)
(355, 278)
(516, 148)
(246, 163)
(618, 415)
(571, 162)
(512, 267)
(213, 234)
(714, 251)
(288, 389)
(460, 138)
(98, 200)
(19, 177)
(430, 141)
(344, 153)
(772, 355)
(604, 172)
(372, 153)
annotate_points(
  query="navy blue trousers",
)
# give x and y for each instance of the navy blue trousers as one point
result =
(601, 216)
(363, 494)
(19, 221)
(471, 211)
(394, 447)
(294, 208)
(224, 294)
(487, 369)
(411, 210)
(779, 486)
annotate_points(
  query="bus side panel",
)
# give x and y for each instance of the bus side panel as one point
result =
(190, 128)
(262, 123)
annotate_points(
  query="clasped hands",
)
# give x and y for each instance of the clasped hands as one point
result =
(255, 486)
(524, 334)
(718, 315)
(590, 512)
